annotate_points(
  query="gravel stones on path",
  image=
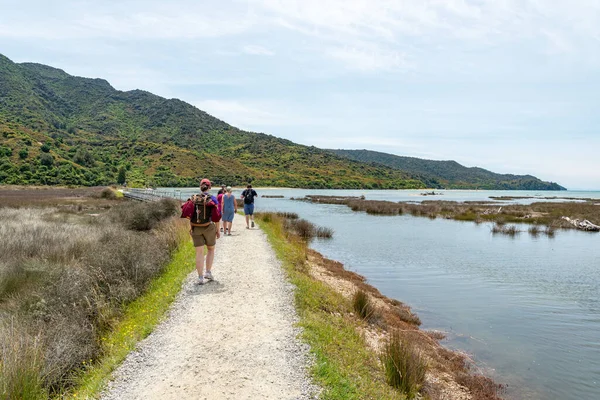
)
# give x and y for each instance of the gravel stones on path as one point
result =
(233, 338)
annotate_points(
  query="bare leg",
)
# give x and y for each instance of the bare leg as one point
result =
(210, 256)
(247, 221)
(200, 260)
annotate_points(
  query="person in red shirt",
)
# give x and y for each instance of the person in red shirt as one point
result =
(203, 212)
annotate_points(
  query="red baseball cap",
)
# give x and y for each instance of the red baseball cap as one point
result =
(205, 181)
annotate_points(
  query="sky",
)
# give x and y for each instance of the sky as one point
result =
(512, 86)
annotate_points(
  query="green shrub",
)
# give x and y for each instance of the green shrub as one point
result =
(46, 159)
(23, 154)
(404, 365)
(5, 151)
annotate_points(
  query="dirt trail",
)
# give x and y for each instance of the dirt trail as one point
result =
(229, 339)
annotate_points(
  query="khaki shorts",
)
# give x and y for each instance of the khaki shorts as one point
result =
(204, 235)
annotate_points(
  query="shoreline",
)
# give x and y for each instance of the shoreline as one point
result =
(451, 374)
(398, 315)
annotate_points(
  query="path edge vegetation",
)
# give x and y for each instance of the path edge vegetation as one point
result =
(344, 366)
(364, 344)
(139, 319)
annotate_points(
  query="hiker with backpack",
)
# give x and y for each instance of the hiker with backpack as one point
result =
(248, 195)
(203, 212)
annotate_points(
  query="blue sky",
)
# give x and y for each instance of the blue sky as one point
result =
(508, 85)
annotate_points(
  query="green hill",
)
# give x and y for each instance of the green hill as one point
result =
(450, 174)
(59, 129)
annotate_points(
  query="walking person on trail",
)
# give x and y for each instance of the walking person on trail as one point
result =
(248, 195)
(220, 195)
(203, 213)
(229, 210)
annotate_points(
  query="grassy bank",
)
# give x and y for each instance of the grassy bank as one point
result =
(344, 366)
(366, 346)
(68, 277)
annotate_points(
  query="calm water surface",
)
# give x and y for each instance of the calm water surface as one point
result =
(527, 309)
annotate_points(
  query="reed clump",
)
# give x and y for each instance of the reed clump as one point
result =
(404, 365)
(288, 215)
(540, 213)
(509, 230)
(324, 232)
(363, 305)
(306, 230)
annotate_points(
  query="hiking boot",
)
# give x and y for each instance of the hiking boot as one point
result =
(252, 224)
(200, 280)
(208, 275)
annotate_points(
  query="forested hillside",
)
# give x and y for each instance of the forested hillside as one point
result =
(450, 174)
(59, 129)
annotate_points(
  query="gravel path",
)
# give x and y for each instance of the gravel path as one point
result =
(229, 339)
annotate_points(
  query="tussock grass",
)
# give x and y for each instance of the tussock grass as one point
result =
(138, 321)
(405, 367)
(21, 364)
(145, 216)
(65, 278)
(363, 306)
(324, 232)
(306, 230)
(288, 215)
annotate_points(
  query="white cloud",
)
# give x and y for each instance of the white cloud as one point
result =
(257, 50)
(127, 20)
(370, 59)
(245, 114)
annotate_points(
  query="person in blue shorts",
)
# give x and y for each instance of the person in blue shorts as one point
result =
(229, 209)
(248, 195)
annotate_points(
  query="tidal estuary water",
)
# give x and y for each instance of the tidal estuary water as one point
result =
(527, 309)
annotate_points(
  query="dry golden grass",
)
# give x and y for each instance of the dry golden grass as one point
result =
(65, 277)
